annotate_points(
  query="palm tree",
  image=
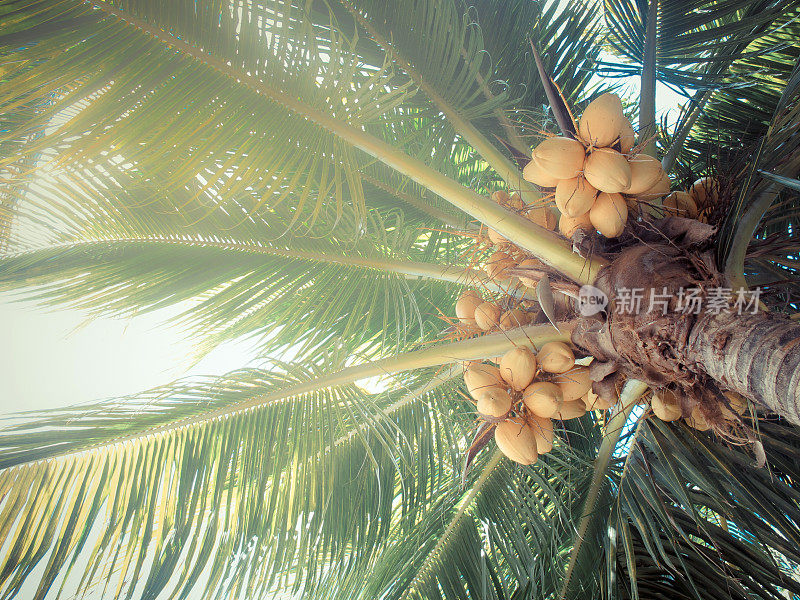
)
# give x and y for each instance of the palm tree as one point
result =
(309, 175)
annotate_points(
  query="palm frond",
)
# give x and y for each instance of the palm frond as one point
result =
(699, 516)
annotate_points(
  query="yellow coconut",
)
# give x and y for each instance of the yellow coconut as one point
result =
(666, 405)
(738, 404)
(511, 319)
(543, 398)
(659, 190)
(607, 170)
(705, 192)
(680, 204)
(574, 383)
(556, 357)
(698, 420)
(542, 217)
(501, 197)
(627, 138)
(543, 428)
(496, 239)
(487, 315)
(645, 173)
(535, 173)
(571, 410)
(609, 214)
(594, 402)
(515, 202)
(574, 197)
(517, 441)
(494, 402)
(602, 121)
(517, 367)
(530, 263)
(466, 305)
(480, 376)
(567, 225)
(497, 264)
(560, 157)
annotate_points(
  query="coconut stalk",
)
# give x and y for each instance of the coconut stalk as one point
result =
(538, 241)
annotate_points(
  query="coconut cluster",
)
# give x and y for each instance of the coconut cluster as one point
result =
(525, 391)
(597, 176)
(535, 214)
(697, 202)
(478, 315)
(667, 406)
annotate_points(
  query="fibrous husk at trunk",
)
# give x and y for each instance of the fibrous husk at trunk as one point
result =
(701, 354)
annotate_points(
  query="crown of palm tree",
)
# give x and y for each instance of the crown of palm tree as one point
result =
(309, 174)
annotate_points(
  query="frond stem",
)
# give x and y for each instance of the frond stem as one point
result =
(472, 349)
(631, 393)
(540, 242)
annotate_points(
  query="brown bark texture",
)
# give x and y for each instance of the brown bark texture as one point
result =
(697, 355)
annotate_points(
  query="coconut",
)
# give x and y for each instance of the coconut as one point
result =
(594, 402)
(543, 428)
(602, 121)
(571, 410)
(515, 202)
(607, 170)
(738, 404)
(574, 383)
(567, 225)
(487, 315)
(480, 376)
(645, 173)
(497, 265)
(517, 442)
(517, 367)
(501, 197)
(465, 306)
(556, 357)
(609, 214)
(543, 398)
(666, 405)
(680, 204)
(575, 196)
(705, 192)
(698, 420)
(529, 263)
(535, 173)
(627, 138)
(494, 403)
(560, 157)
(513, 318)
(496, 239)
(543, 217)
(659, 190)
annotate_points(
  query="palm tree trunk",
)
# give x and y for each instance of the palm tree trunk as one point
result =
(756, 355)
